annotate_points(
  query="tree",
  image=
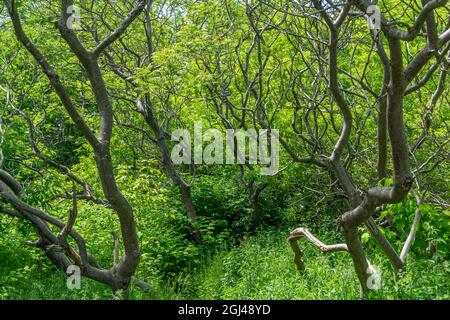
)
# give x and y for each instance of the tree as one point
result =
(57, 246)
(355, 90)
(396, 78)
(245, 83)
(146, 103)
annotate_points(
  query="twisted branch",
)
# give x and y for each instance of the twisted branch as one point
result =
(305, 233)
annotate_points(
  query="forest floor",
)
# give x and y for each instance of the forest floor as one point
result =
(261, 267)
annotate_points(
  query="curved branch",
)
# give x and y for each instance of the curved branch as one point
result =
(117, 33)
(50, 73)
(412, 233)
(305, 233)
(12, 183)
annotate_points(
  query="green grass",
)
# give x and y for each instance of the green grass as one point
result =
(260, 268)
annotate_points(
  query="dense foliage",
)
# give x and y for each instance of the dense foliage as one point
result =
(180, 62)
